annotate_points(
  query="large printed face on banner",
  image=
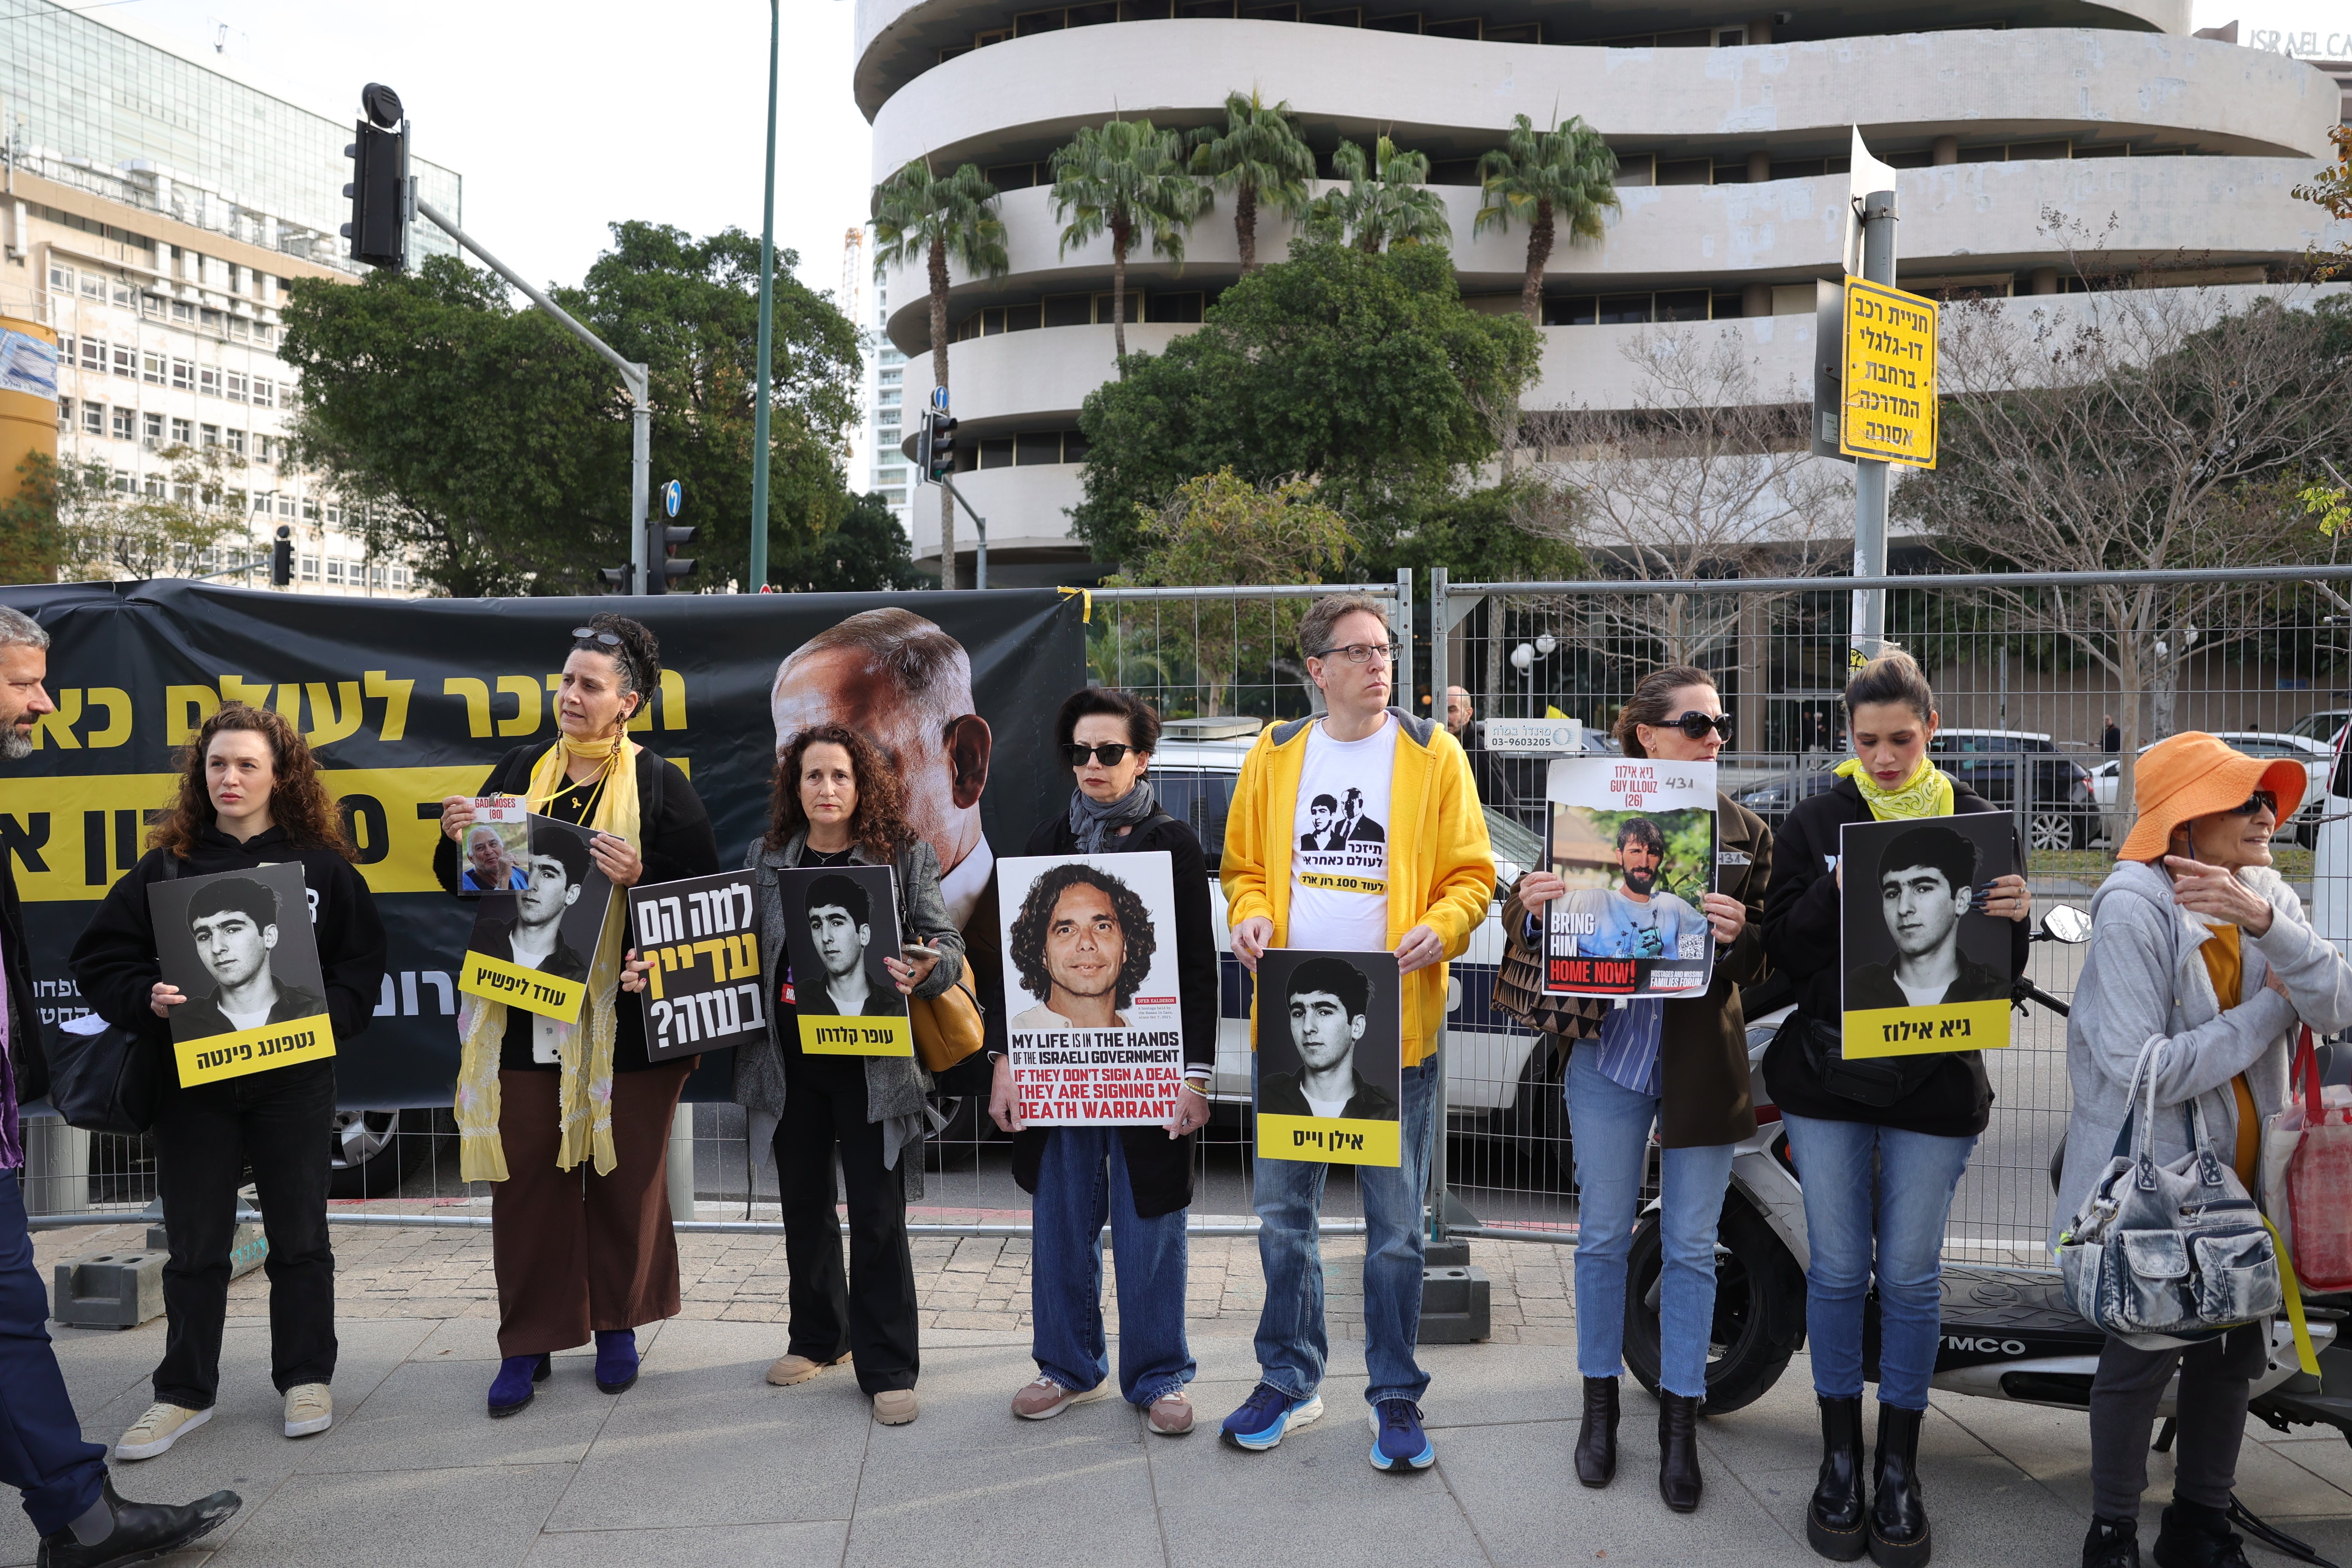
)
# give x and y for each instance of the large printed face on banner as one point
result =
(1925, 968)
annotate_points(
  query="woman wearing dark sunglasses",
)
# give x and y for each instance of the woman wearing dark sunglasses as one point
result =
(1137, 1178)
(1683, 1065)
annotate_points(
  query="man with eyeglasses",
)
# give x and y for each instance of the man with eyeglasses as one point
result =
(1399, 863)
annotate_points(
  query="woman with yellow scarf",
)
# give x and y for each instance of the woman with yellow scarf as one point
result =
(579, 1253)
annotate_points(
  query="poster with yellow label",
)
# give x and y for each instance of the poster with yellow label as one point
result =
(840, 924)
(1926, 969)
(238, 948)
(532, 948)
(1330, 1072)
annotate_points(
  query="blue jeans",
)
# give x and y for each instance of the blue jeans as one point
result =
(1874, 1193)
(41, 1451)
(1081, 1182)
(1291, 1344)
(1611, 1126)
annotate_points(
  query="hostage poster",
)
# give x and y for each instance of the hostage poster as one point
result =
(1094, 1034)
(1633, 837)
(533, 948)
(1330, 1064)
(1925, 968)
(239, 946)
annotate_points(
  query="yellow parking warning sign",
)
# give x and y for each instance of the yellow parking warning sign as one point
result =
(1889, 375)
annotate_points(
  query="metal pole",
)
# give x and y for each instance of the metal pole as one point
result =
(1870, 476)
(641, 437)
(1402, 673)
(980, 560)
(1439, 675)
(759, 574)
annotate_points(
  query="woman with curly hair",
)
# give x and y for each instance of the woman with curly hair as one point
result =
(837, 802)
(248, 796)
(1078, 928)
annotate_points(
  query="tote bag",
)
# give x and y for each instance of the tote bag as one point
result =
(2306, 1178)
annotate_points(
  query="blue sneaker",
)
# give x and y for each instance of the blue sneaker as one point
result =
(1267, 1416)
(1397, 1437)
(616, 1359)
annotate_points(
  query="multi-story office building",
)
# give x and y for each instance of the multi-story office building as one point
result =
(156, 208)
(1731, 127)
(893, 476)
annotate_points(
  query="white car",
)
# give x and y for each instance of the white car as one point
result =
(2315, 756)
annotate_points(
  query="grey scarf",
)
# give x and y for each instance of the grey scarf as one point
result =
(1097, 824)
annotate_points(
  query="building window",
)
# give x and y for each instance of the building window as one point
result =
(150, 427)
(184, 375)
(126, 361)
(93, 287)
(66, 350)
(237, 441)
(264, 393)
(153, 305)
(122, 296)
(182, 311)
(154, 487)
(153, 369)
(65, 412)
(264, 333)
(376, 576)
(309, 509)
(235, 388)
(93, 419)
(209, 318)
(184, 432)
(212, 434)
(286, 506)
(93, 353)
(309, 568)
(125, 428)
(401, 579)
(891, 378)
(61, 278)
(208, 381)
(240, 328)
(334, 571)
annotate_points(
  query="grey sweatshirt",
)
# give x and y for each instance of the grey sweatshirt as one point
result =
(2145, 977)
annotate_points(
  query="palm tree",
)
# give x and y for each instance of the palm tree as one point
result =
(1553, 179)
(940, 218)
(1260, 157)
(1386, 202)
(1116, 179)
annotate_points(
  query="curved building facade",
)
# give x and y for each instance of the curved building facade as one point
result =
(2022, 133)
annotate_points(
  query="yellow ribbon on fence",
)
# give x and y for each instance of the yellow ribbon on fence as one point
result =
(1086, 603)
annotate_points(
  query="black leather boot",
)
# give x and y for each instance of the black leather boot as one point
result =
(1837, 1521)
(2195, 1536)
(1898, 1514)
(1596, 1439)
(1678, 1478)
(2112, 1543)
(142, 1531)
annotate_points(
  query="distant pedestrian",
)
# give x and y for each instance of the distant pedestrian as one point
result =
(2111, 734)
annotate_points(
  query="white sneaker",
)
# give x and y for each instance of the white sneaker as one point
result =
(162, 1426)
(309, 1408)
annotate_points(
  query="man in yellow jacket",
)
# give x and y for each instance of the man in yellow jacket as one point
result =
(1414, 876)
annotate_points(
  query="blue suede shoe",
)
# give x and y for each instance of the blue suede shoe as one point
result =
(511, 1390)
(616, 1359)
(1398, 1440)
(1267, 1416)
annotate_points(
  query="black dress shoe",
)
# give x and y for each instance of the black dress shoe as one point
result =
(1898, 1512)
(1596, 1439)
(1678, 1478)
(142, 1531)
(1837, 1521)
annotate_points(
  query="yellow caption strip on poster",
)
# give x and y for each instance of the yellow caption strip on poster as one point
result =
(1921, 1031)
(497, 980)
(839, 1035)
(264, 1048)
(1340, 1139)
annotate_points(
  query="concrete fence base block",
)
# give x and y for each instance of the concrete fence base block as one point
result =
(1457, 1305)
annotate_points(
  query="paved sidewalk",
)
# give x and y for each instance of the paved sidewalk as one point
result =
(703, 1463)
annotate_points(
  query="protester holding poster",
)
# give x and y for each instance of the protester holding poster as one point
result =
(1679, 1063)
(1882, 1141)
(1083, 950)
(839, 806)
(1414, 876)
(250, 802)
(538, 1096)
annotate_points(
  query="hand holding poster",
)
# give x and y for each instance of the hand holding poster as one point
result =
(1330, 1069)
(239, 946)
(497, 846)
(1633, 837)
(1926, 969)
(1096, 1037)
(840, 922)
(700, 941)
(532, 949)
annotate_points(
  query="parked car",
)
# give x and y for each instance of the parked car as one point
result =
(1773, 798)
(2315, 756)
(2323, 726)
(2062, 811)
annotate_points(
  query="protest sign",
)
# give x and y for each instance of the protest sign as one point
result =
(1330, 1070)
(700, 941)
(532, 949)
(238, 945)
(840, 922)
(1925, 968)
(490, 860)
(1633, 837)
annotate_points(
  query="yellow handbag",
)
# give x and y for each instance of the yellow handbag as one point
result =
(948, 1027)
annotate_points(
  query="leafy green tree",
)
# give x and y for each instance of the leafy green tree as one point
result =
(1260, 157)
(1126, 179)
(1551, 180)
(1387, 203)
(865, 552)
(1514, 531)
(32, 540)
(111, 531)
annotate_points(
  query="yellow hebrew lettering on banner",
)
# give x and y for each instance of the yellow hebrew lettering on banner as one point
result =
(1887, 393)
(1340, 1139)
(840, 1034)
(264, 1048)
(497, 980)
(1918, 1031)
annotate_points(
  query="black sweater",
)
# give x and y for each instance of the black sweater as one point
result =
(1800, 938)
(115, 964)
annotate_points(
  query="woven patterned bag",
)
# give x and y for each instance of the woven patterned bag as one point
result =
(1519, 995)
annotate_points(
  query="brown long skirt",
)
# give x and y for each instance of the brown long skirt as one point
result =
(575, 1251)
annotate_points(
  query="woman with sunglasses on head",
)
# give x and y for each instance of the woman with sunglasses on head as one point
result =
(1878, 1178)
(2200, 950)
(581, 1253)
(1681, 1065)
(1138, 1180)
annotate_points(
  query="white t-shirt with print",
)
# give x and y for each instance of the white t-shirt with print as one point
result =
(1339, 851)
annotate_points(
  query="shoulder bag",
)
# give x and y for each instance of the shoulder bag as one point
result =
(1519, 995)
(2306, 1183)
(109, 1081)
(1875, 1081)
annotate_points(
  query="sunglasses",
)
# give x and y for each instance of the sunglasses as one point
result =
(1697, 724)
(590, 633)
(1109, 755)
(2261, 800)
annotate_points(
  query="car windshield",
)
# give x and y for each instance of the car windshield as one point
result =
(2319, 726)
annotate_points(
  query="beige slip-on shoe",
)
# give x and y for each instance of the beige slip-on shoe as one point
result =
(162, 1426)
(309, 1408)
(791, 1368)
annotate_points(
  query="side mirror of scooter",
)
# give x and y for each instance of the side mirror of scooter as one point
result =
(2064, 922)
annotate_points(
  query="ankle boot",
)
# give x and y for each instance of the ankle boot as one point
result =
(1678, 1478)
(2195, 1535)
(1898, 1514)
(616, 1359)
(1837, 1521)
(1596, 1439)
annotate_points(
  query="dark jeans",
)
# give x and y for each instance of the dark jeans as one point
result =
(2215, 1379)
(872, 1315)
(42, 1454)
(280, 1123)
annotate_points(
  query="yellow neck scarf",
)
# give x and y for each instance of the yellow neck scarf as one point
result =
(585, 1093)
(1927, 792)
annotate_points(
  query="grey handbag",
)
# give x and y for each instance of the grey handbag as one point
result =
(2165, 1255)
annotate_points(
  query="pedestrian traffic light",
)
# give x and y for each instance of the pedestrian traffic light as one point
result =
(281, 557)
(940, 461)
(378, 190)
(615, 578)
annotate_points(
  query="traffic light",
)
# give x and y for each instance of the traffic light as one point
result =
(923, 445)
(615, 578)
(664, 564)
(378, 190)
(281, 557)
(940, 460)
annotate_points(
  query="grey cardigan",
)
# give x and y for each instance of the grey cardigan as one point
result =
(895, 1086)
(2145, 977)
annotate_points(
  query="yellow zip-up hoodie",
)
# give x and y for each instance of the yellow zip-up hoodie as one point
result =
(1441, 866)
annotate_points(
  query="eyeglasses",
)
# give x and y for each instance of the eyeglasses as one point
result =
(590, 633)
(2261, 800)
(1697, 724)
(1109, 755)
(1361, 653)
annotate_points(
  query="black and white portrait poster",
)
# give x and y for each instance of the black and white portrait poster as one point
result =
(1633, 837)
(1330, 1075)
(239, 946)
(496, 845)
(532, 948)
(1094, 1032)
(701, 946)
(1925, 968)
(840, 924)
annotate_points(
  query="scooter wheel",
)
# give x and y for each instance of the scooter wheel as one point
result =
(1759, 1306)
